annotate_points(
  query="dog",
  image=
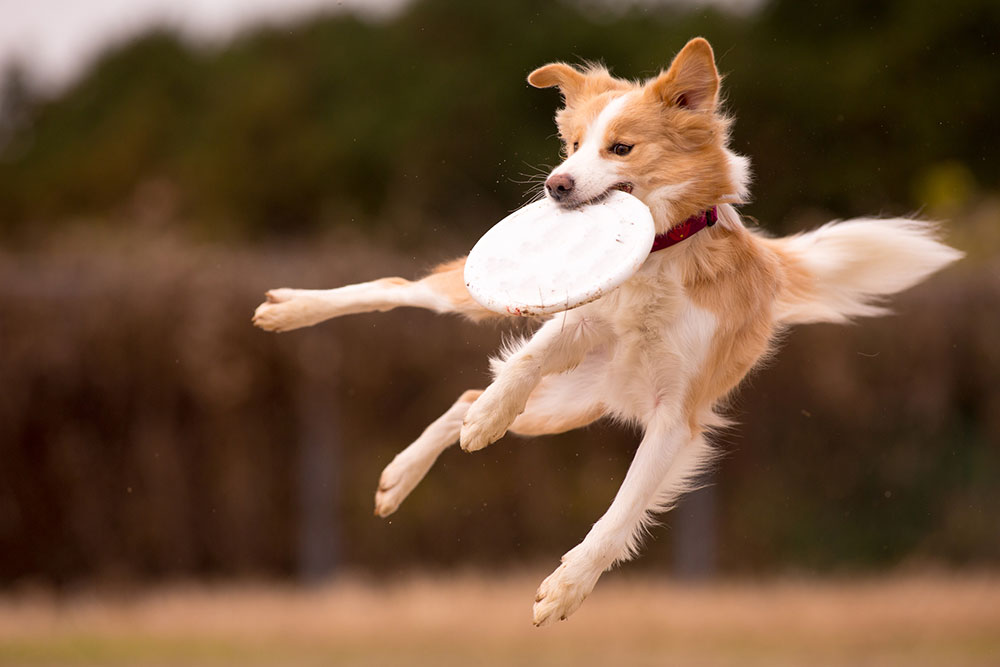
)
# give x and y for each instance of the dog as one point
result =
(664, 349)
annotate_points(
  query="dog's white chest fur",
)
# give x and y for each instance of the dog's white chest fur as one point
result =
(656, 340)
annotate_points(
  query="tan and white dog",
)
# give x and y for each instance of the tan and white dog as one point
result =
(666, 347)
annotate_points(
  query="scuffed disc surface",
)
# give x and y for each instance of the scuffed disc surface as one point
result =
(544, 259)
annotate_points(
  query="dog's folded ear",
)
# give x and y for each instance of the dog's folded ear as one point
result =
(691, 82)
(569, 79)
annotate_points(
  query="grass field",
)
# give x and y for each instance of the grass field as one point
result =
(472, 620)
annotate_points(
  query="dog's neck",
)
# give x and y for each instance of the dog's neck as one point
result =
(686, 229)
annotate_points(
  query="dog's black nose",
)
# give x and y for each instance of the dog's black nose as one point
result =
(559, 186)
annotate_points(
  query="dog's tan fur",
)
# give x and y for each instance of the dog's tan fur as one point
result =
(668, 345)
(448, 279)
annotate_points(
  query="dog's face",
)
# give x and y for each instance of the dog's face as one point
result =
(664, 141)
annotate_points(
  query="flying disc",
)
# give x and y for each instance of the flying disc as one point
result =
(544, 258)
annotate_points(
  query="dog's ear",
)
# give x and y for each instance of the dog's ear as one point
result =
(569, 79)
(691, 82)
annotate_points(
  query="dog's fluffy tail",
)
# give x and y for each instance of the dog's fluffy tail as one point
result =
(846, 269)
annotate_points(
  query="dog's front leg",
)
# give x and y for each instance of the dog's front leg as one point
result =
(443, 291)
(560, 344)
(663, 464)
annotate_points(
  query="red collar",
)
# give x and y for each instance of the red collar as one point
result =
(685, 229)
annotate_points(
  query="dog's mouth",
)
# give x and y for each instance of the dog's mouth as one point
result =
(624, 186)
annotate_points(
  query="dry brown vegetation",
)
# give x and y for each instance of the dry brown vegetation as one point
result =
(479, 620)
(149, 431)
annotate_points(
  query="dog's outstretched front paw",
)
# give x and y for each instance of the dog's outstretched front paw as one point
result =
(284, 310)
(486, 421)
(564, 591)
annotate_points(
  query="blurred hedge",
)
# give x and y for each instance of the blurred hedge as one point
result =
(147, 430)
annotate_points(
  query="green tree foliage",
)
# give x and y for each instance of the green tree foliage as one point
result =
(426, 116)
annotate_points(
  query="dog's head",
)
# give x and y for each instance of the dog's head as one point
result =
(663, 140)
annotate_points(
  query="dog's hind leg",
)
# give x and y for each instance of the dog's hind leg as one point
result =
(410, 465)
(667, 462)
(556, 405)
(442, 291)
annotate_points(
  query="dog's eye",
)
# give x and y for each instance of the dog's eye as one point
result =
(576, 146)
(621, 149)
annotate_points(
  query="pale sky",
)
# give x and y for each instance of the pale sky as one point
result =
(57, 39)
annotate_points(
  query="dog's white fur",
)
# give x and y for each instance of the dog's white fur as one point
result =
(662, 350)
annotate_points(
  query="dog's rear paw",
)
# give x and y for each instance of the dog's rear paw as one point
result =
(397, 481)
(563, 591)
(285, 309)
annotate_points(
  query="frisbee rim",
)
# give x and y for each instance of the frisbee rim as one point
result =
(632, 219)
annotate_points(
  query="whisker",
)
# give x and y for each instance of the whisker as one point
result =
(539, 168)
(528, 179)
(535, 178)
(533, 194)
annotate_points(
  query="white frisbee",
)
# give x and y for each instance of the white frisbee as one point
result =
(544, 259)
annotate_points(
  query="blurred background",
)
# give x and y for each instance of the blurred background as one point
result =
(161, 166)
